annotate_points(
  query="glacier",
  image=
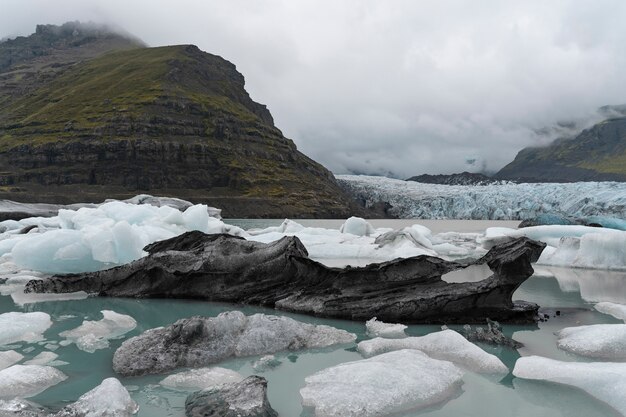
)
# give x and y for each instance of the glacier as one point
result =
(507, 201)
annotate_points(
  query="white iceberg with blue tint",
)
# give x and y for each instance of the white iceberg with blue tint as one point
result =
(92, 335)
(25, 381)
(357, 226)
(616, 310)
(605, 381)
(385, 384)
(202, 378)
(603, 341)
(109, 399)
(446, 345)
(23, 327)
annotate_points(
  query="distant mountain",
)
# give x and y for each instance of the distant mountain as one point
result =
(595, 154)
(88, 114)
(464, 178)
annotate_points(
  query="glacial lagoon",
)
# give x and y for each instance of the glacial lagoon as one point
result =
(566, 295)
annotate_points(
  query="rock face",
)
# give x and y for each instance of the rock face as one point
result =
(247, 398)
(280, 274)
(464, 178)
(169, 120)
(595, 154)
(201, 341)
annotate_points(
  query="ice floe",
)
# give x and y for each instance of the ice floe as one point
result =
(375, 328)
(92, 335)
(604, 341)
(23, 327)
(202, 378)
(28, 380)
(616, 310)
(385, 384)
(9, 357)
(605, 381)
(445, 345)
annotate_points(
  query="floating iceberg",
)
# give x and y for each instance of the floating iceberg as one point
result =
(109, 399)
(93, 335)
(445, 345)
(201, 341)
(385, 384)
(494, 202)
(26, 327)
(375, 328)
(9, 357)
(616, 310)
(198, 379)
(605, 381)
(25, 381)
(357, 226)
(44, 358)
(94, 238)
(605, 341)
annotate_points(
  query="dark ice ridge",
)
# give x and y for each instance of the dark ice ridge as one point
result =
(231, 269)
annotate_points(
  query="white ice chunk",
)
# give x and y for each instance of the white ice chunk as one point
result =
(202, 378)
(616, 310)
(606, 341)
(605, 381)
(197, 218)
(44, 358)
(357, 226)
(93, 335)
(27, 327)
(28, 380)
(21, 298)
(109, 399)
(9, 357)
(385, 384)
(446, 345)
(375, 328)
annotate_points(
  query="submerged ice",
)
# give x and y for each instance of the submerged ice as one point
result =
(93, 335)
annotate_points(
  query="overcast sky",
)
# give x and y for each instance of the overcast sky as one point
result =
(391, 87)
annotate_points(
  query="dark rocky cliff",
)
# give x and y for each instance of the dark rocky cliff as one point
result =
(124, 119)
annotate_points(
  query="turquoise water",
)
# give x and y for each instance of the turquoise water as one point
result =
(572, 292)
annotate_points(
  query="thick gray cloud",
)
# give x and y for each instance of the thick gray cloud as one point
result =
(391, 87)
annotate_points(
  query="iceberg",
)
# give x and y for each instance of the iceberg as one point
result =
(605, 381)
(9, 357)
(23, 327)
(93, 335)
(357, 226)
(201, 341)
(445, 345)
(385, 384)
(616, 310)
(375, 328)
(25, 381)
(202, 378)
(604, 341)
(109, 399)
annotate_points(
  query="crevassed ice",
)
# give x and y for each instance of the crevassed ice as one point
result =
(605, 381)
(385, 384)
(27, 327)
(606, 341)
(93, 335)
(202, 378)
(616, 310)
(25, 381)
(109, 399)
(446, 345)
(508, 201)
(375, 328)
